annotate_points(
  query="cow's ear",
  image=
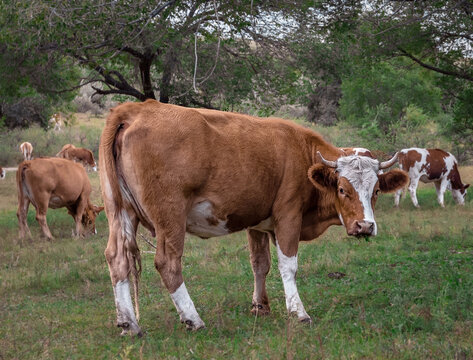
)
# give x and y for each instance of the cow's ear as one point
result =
(466, 186)
(322, 177)
(393, 180)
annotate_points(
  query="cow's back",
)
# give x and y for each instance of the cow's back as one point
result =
(57, 176)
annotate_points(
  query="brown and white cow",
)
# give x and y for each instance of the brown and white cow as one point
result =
(82, 155)
(357, 151)
(2, 173)
(26, 149)
(55, 183)
(431, 165)
(211, 173)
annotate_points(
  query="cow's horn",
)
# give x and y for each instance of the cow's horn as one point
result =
(329, 163)
(389, 163)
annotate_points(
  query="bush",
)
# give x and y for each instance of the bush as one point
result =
(45, 143)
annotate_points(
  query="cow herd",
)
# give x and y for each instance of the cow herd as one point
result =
(209, 173)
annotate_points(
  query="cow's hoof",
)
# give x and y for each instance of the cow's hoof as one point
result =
(306, 320)
(194, 325)
(131, 329)
(260, 309)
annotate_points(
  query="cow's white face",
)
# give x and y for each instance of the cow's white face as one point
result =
(460, 194)
(357, 193)
(355, 183)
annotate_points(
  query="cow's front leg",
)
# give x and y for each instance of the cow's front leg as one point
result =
(80, 209)
(120, 251)
(261, 262)
(170, 246)
(287, 243)
(441, 187)
(413, 191)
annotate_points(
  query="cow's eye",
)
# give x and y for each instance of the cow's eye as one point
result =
(341, 191)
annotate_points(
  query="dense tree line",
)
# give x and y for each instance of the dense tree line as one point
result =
(384, 67)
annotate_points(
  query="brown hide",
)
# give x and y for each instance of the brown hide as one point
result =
(82, 155)
(55, 183)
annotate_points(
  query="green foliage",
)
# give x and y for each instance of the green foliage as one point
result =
(390, 102)
(459, 127)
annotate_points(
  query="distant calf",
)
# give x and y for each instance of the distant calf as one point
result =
(84, 156)
(55, 183)
(26, 149)
(431, 165)
(2, 173)
(56, 122)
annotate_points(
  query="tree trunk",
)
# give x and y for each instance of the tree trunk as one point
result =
(145, 72)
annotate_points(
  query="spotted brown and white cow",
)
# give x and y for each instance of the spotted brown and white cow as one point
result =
(211, 173)
(81, 155)
(2, 173)
(357, 151)
(27, 150)
(431, 165)
(55, 183)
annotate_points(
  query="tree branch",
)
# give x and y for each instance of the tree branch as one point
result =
(434, 68)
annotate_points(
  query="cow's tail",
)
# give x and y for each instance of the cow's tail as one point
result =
(116, 189)
(21, 182)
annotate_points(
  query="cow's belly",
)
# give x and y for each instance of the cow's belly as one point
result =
(203, 223)
(55, 202)
(428, 179)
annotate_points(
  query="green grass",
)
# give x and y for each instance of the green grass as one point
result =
(406, 293)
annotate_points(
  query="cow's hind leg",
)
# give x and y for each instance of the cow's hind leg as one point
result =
(122, 254)
(79, 212)
(261, 262)
(170, 233)
(22, 214)
(41, 210)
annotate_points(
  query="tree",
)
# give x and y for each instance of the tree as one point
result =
(144, 48)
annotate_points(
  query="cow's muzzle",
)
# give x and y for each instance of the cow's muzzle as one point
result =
(361, 228)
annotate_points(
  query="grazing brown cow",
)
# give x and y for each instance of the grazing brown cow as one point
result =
(431, 165)
(55, 183)
(2, 173)
(26, 149)
(211, 173)
(82, 155)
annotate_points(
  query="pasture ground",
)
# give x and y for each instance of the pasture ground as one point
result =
(406, 294)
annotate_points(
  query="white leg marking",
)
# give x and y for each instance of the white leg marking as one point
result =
(125, 312)
(288, 268)
(185, 307)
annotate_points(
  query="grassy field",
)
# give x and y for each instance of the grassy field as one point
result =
(407, 293)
